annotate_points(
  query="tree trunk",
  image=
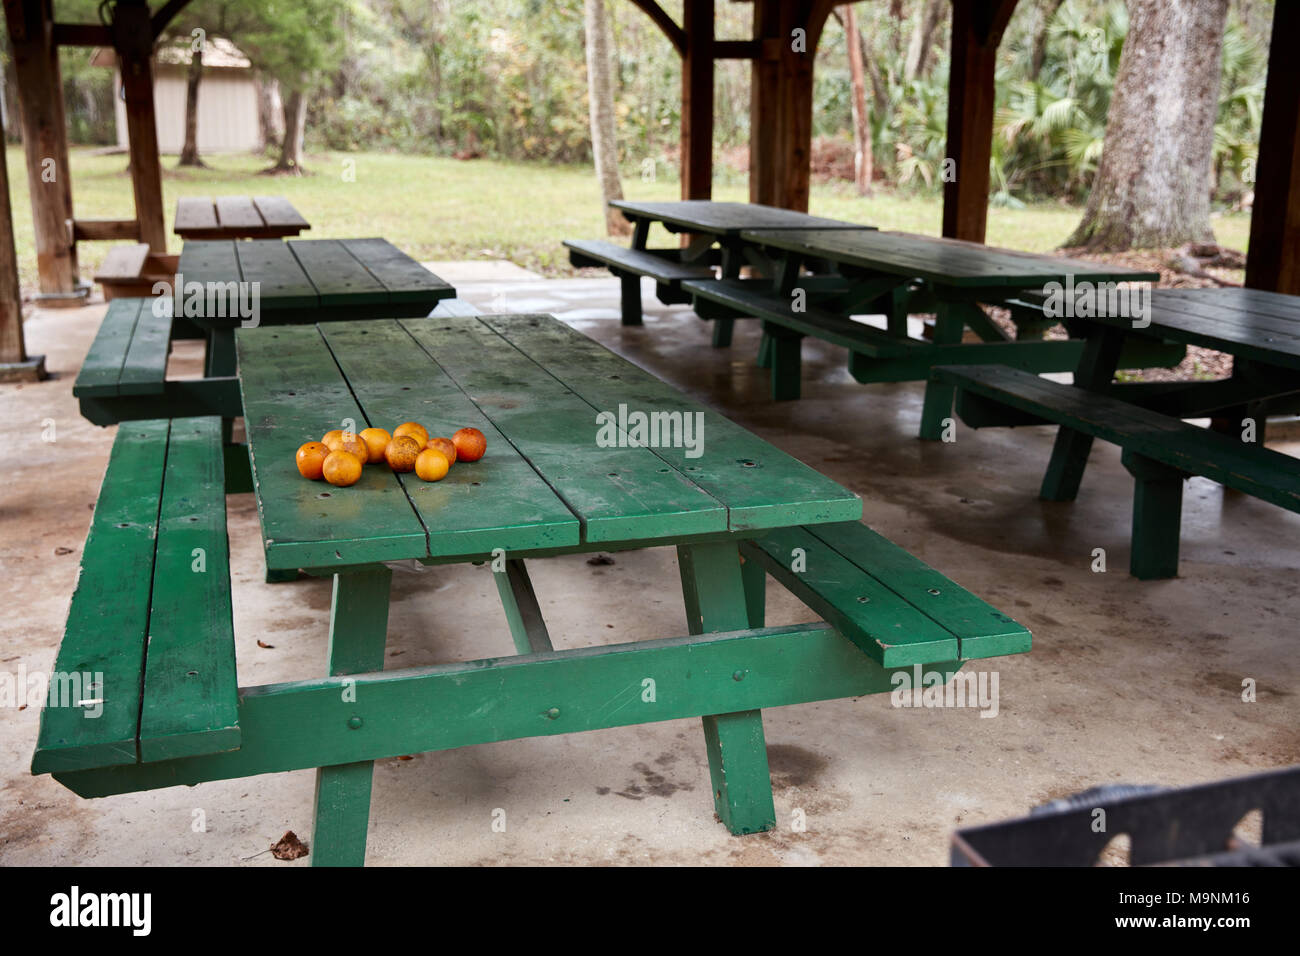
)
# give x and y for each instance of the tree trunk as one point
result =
(1037, 58)
(862, 159)
(922, 40)
(600, 96)
(295, 120)
(190, 151)
(270, 111)
(1152, 188)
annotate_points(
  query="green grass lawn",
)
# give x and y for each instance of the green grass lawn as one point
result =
(436, 208)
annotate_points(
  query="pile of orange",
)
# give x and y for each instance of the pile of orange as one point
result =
(339, 455)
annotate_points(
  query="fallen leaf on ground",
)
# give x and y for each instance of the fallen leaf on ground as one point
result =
(600, 559)
(289, 847)
(264, 644)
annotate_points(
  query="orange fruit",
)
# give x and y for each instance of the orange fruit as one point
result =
(332, 438)
(376, 440)
(432, 465)
(356, 445)
(402, 452)
(415, 430)
(446, 446)
(310, 458)
(341, 468)
(470, 444)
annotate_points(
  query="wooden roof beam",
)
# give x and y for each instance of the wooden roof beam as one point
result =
(676, 35)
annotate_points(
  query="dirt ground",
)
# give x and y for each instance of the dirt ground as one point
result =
(1128, 681)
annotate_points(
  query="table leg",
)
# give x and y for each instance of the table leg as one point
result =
(732, 260)
(523, 613)
(219, 360)
(714, 586)
(1095, 371)
(358, 629)
(948, 326)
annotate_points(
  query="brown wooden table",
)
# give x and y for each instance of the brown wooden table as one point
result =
(237, 217)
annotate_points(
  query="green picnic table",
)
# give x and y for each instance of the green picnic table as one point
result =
(895, 274)
(1261, 330)
(715, 229)
(559, 477)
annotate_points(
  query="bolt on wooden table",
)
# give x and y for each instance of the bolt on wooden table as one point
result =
(559, 477)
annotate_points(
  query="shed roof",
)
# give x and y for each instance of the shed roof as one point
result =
(218, 53)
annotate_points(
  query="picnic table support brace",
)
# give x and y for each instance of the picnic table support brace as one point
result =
(358, 631)
(523, 613)
(1095, 371)
(717, 599)
(1157, 516)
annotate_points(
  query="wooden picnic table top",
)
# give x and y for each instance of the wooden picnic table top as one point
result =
(534, 387)
(944, 262)
(725, 218)
(367, 277)
(237, 217)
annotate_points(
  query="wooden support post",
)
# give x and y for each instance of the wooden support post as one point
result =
(977, 27)
(523, 613)
(697, 100)
(15, 364)
(1273, 261)
(1157, 517)
(40, 90)
(716, 600)
(133, 42)
(786, 35)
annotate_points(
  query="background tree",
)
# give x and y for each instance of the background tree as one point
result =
(600, 96)
(1152, 188)
(862, 152)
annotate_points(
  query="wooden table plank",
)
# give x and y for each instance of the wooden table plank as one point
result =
(145, 367)
(238, 213)
(947, 262)
(619, 494)
(293, 392)
(284, 284)
(337, 275)
(278, 213)
(761, 486)
(497, 502)
(194, 213)
(209, 260)
(404, 278)
(727, 218)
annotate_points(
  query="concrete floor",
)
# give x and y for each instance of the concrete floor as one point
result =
(1127, 682)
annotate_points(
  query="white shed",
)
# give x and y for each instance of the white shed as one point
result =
(228, 98)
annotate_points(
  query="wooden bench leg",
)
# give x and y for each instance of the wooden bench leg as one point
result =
(948, 327)
(764, 359)
(785, 367)
(754, 580)
(523, 613)
(722, 329)
(716, 586)
(1065, 470)
(358, 629)
(1157, 517)
(631, 299)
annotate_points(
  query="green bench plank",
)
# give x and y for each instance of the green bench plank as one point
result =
(190, 693)
(284, 284)
(753, 297)
(109, 616)
(883, 625)
(618, 493)
(404, 278)
(1258, 471)
(736, 467)
(102, 370)
(642, 262)
(144, 370)
(981, 629)
(209, 260)
(337, 275)
(293, 392)
(497, 502)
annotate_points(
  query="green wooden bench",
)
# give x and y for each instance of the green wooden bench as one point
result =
(879, 355)
(894, 607)
(1159, 451)
(124, 376)
(629, 265)
(146, 670)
